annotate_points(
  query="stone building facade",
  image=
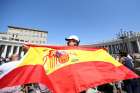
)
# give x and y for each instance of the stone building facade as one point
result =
(11, 42)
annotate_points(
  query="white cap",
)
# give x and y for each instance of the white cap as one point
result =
(73, 37)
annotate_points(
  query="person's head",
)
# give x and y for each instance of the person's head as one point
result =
(14, 57)
(25, 48)
(123, 54)
(72, 40)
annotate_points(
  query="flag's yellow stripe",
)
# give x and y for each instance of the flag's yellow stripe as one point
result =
(35, 56)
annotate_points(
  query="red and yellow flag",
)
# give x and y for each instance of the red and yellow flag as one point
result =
(66, 69)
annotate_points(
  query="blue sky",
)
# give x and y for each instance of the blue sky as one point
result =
(91, 20)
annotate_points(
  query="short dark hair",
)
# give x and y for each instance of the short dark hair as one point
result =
(76, 42)
(123, 53)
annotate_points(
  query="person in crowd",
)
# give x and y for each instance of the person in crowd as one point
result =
(1, 60)
(118, 84)
(73, 41)
(14, 57)
(33, 87)
(131, 85)
(7, 67)
(106, 88)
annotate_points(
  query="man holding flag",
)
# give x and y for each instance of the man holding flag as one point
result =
(72, 41)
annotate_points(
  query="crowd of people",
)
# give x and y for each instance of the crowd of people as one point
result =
(4, 60)
(125, 86)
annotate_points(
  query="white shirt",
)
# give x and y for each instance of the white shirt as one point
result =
(7, 67)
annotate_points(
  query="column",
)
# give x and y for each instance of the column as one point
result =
(17, 51)
(22, 54)
(111, 48)
(11, 51)
(129, 47)
(8, 50)
(4, 52)
(20, 50)
(138, 45)
(115, 49)
(113, 52)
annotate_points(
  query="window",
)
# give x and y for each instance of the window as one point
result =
(45, 35)
(41, 34)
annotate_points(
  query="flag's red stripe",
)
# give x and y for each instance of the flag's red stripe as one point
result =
(67, 47)
(71, 78)
(78, 77)
(24, 75)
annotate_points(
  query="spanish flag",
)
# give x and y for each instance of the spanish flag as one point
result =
(66, 69)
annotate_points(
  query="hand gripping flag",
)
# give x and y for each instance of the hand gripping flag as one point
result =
(66, 69)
